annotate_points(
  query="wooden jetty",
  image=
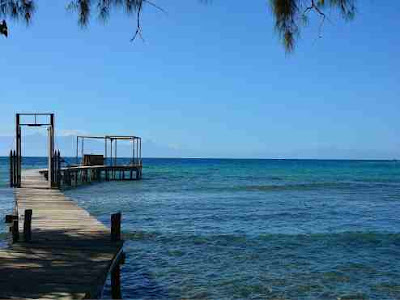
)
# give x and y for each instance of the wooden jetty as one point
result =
(76, 175)
(57, 249)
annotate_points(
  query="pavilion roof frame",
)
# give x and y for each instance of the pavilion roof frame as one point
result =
(136, 142)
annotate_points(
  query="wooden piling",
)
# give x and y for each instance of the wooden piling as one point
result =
(116, 282)
(15, 170)
(11, 169)
(15, 231)
(58, 173)
(116, 227)
(27, 225)
(67, 178)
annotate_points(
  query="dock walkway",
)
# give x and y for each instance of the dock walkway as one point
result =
(70, 252)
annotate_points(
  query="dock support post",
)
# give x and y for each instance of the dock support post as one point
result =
(15, 231)
(18, 158)
(11, 169)
(27, 225)
(116, 227)
(116, 282)
(51, 152)
(15, 169)
(58, 169)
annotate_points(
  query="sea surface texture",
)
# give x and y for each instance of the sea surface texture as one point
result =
(251, 229)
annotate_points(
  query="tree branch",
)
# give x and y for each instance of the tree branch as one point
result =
(315, 8)
(138, 27)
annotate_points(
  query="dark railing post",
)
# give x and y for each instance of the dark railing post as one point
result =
(53, 179)
(55, 168)
(11, 169)
(50, 171)
(27, 225)
(19, 160)
(15, 231)
(15, 165)
(58, 169)
(116, 282)
(116, 227)
(69, 181)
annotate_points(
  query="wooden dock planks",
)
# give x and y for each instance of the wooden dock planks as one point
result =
(70, 252)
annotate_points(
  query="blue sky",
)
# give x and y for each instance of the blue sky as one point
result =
(211, 80)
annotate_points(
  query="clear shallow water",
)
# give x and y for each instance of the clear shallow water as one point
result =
(270, 229)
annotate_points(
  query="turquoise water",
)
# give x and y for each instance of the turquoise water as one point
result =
(269, 229)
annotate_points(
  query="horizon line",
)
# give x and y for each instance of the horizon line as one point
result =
(235, 158)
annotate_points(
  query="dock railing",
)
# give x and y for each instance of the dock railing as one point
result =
(56, 166)
(15, 171)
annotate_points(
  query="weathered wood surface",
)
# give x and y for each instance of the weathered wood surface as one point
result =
(70, 252)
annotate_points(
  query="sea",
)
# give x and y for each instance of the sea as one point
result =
(249, 228)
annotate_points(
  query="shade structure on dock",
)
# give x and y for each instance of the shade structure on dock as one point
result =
(111, 148)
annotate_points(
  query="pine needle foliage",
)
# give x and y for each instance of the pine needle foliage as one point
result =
(289, 15)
